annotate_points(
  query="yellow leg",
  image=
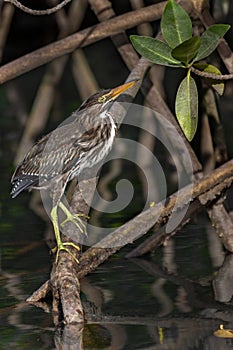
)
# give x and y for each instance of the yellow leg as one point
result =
(61, 245)
(74, 218)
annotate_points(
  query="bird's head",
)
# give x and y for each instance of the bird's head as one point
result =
(103, 97)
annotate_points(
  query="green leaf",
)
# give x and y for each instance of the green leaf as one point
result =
(216, 84)
(210, 40)
(154, 50)
(187, 106)
(186, 51)
(176, 25)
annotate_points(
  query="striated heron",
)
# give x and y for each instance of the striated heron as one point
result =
(63, 154)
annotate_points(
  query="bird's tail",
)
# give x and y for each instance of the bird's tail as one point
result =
(23, 183)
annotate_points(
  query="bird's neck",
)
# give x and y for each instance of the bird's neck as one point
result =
(98, 122)
(110, 119)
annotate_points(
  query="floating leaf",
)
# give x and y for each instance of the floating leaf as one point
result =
(209, 68)
(186, 51)
(187, 106)
(176, 25)
(223, 333)
(154, 50)
(210, 40)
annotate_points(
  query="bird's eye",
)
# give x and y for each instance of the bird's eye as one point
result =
(102, 99)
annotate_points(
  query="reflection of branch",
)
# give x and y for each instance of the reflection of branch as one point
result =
(222, 283)
(160, 236)
(191, 288)
(83, 38)
(38, 12)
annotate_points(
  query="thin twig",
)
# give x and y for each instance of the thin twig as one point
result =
(212, 76)
(38, 12)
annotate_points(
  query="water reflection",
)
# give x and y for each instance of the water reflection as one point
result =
(162, 302)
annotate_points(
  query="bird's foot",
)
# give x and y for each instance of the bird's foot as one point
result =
(76, 220)
(62, 246)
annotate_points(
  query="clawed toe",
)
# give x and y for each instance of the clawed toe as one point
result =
(63, 247)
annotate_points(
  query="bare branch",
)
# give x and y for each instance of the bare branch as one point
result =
(6, 18)
(83, 38)
(206, 190)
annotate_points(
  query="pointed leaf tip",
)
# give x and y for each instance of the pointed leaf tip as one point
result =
(154, 50)
(210, 40)
(176, 25)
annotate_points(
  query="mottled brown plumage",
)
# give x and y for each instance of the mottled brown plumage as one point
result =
(68, 150)
(71, 148)
(64, 151)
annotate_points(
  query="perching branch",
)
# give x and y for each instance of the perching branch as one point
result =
(206, 191)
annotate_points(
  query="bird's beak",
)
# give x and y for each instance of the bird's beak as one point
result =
(117, 91)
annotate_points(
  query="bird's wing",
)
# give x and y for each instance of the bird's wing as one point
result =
(31, 162)
(55, 153)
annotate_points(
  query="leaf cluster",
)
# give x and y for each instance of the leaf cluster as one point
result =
(181, 49)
